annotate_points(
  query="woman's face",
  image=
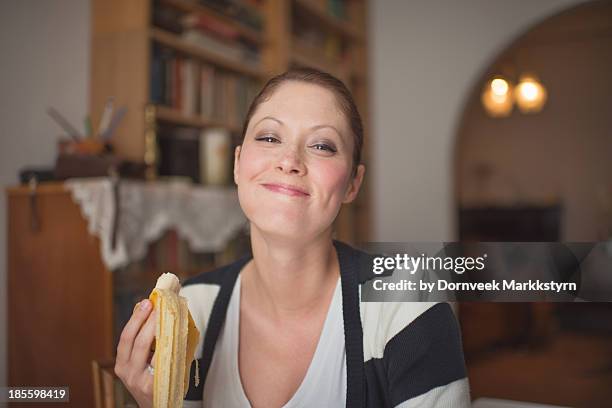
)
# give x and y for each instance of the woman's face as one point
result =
(294, 168)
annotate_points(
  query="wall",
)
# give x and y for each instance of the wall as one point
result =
(45, 62)
(425, 57)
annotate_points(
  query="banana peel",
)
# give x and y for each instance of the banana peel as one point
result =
(176, 339)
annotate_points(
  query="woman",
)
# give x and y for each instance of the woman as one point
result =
(284, 327)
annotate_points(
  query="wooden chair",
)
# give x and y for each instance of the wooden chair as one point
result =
(109, 391)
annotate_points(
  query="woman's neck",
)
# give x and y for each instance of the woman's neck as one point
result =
(290, 280)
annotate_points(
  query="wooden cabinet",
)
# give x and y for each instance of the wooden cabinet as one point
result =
(60, 310)
(66, 305)
(489, 325)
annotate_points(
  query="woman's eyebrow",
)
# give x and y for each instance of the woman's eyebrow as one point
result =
(269, 117)
(327, 126)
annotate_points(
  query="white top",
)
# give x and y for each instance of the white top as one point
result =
(324, 384)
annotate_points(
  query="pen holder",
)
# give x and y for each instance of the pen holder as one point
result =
(84, 158)
(84, 165)
(83, 147)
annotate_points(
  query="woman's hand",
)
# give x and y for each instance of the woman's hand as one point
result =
(133, 354)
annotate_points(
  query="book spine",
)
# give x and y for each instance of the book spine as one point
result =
(189, 89)
(178, 84)
(155, 86)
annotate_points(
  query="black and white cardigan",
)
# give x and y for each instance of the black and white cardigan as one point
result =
(398, 354)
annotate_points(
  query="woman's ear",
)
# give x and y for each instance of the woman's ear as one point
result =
(236, 163)
(354, 185)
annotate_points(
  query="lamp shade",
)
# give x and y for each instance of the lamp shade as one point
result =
(530, 94)
(497, 98)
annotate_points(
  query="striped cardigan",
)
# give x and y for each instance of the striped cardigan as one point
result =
(398, 354)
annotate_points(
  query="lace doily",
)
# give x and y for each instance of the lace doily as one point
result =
(206, 217)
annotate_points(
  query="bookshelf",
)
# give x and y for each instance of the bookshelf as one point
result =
(73, 286)
(151, 56)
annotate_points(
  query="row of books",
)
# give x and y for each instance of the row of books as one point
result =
(329, 44)
(235, 51)
(219, 37)
(209, 33)
(204, 156)
(247, 12)
(195, 88)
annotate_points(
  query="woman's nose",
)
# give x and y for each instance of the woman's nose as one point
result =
(291, 162)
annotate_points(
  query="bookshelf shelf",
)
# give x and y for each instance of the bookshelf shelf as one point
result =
(192, 7)
(175, 42)
(173, 116)
(330, 22)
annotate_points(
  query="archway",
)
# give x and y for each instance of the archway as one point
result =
(544, 176)
(561, 155)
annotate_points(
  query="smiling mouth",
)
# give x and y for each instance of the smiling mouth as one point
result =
(286, 189)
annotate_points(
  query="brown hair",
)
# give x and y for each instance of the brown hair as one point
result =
(331, 83)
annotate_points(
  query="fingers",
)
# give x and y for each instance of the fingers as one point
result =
(148, 385)
(152, 362)
(142, 345)
(132, 353)
(130, 331)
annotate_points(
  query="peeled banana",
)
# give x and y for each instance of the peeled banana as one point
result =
(176, 339)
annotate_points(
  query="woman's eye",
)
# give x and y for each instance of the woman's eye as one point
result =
(324, 147)
(267, 138)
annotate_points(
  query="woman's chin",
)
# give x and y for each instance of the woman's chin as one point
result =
(284, 226)
(280, 225)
